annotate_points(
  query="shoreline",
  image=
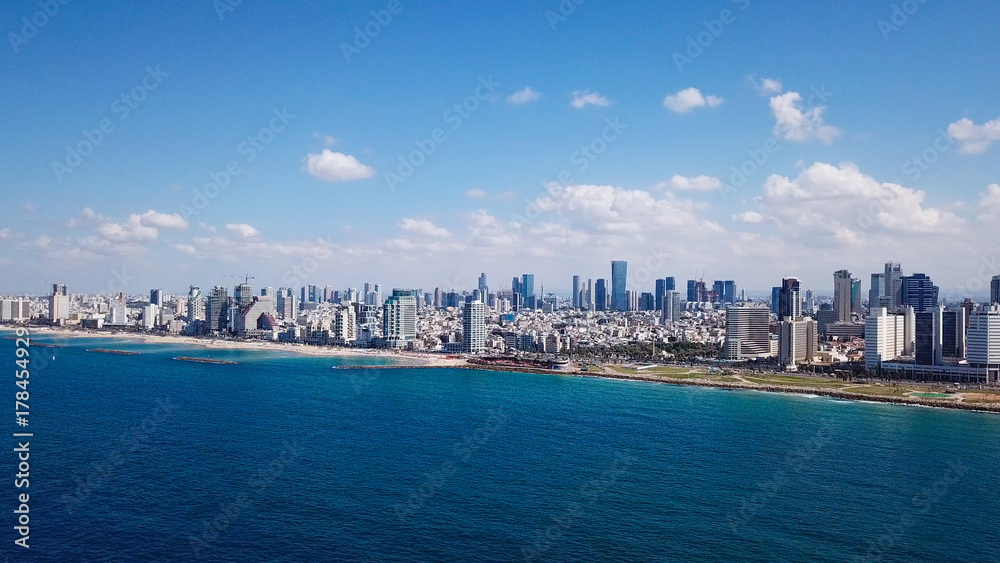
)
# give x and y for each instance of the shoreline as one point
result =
(424, 360)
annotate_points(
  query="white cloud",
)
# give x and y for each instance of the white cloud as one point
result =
(584, 98)
(695, 184)
(748, 217)
(132, 230)
(610, 210)
(207, 227)
(336, 167)
(842, 200)
(524, 96)
(795, 124)
(766, 86)
(989, 204)
(242, 229)
(423, 227)
(689, 99)
(185, 249)
(475, 193)
(163, 220)
(328, 140)
(4, 233)
(975, 139)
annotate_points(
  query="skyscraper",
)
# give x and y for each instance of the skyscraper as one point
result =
(842, 286)
(196, 304)
(856, 296)
(796, 342)
(719, 289)
(776, 300)
(399, 318)
(984, 340)
(747, 332)
(58, 304)
(217, 310)
(995, 290)
(243, 295)
(876, 294)
(619, 277)
(601, 295)
(576, 292)
(884, 337)
(660, 291)
(156, 297)
(730, 292)
(789, 300)
(484, 288)
(528, 291)
(919, 292)
(474, 327)
(671, 307)
(929, 343)
(671, 284)
(692, 292)
(894, 284)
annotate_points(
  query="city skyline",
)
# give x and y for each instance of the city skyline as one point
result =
(692, 156)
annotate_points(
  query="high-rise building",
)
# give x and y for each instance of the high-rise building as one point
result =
(156, 297)
(671, 284)
(576, 292)
(601, 295)
(747, 332)
(217, 310)
(589, 300)
(196, 304)
(790, 300)
(884, 337)
(399, 318)
(671, 307)
(286, 306)
(842, 292)
(876, 294)
(474, 327)
(14, 310)
(919, 292)
(692, 291)
(953, 334)
(856, 306)
(718, 291)
(619, 278)
(984, 340)
(631, 300)
(929, 347)
(345, 326)
(528, 291)
(995, 290)
(796, 342)
(58, 304)
(484, 287)
(243, 295)
(659, 292)
(894, 284)
(776, 300)
(730, 292)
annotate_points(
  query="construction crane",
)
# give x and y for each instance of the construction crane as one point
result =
(246, 278)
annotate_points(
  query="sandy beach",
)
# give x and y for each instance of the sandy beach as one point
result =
(427, 359)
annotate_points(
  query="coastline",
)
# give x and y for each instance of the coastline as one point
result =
(421, 359)
(435, 360)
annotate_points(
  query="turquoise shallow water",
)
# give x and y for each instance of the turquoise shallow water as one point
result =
(281, 458)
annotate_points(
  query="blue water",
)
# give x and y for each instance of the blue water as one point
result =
(281, 458)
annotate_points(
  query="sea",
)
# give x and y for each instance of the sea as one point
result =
(284, 457)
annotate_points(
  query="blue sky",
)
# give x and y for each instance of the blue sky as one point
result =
(837, 102)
